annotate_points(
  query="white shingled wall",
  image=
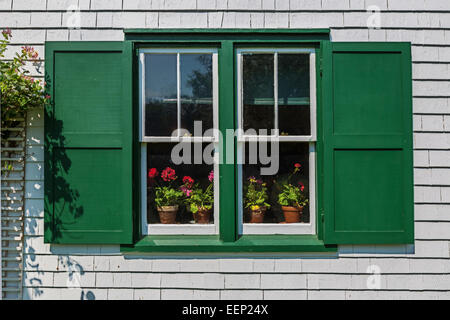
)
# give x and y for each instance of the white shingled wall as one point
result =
(420, 271)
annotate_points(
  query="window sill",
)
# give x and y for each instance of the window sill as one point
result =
(212, 244)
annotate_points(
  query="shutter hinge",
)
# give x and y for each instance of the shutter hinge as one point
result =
(322, 217)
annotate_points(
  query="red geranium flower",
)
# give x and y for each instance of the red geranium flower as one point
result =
(301, 185)
(297, 165)
(152, 173)
(168, 174)
(188, 181)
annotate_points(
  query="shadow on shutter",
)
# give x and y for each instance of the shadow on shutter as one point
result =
(368, 163)
(88, 143)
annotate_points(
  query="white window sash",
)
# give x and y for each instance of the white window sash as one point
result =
(276, 228)
(178, 229)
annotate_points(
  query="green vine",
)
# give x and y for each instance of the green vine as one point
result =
(19, 91)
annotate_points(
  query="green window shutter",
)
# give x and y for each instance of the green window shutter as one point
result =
(88, 143)
(367, 140)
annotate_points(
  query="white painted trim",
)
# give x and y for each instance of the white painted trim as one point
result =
(312, 186)
(180, 229)
(179, 139)
(144, 222)
(244, 138)
(178, 95)
(178, 50)
(240, 111)
(141, 96)
(275, 93)
(312, 95)
(215, 71)
(275, 228)
(277, 50)
(240, 188)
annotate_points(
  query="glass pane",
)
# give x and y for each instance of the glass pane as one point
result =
(257, 89)
(196, 92)
(160, 94)
(293, 94)
(184, 193)
(280, 197)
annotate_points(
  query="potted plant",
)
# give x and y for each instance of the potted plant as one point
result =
(200, 202)
(167, 198)
(292, 198)
(256, 200)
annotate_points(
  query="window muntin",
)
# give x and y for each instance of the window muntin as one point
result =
(286, 91)
(187, 92)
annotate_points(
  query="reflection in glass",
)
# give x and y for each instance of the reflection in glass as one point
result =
(160, 94)
(258, 95)
(196, 91)
(293, 94)
(293, 169)
(158, 159)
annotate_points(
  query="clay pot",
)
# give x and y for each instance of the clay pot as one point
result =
(168, 214)
(292, 214)
(257, 214)
(202, 216)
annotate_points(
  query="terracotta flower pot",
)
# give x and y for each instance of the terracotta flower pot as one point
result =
(256, 214)
(292, 214)
(202, 216)
(168, 214)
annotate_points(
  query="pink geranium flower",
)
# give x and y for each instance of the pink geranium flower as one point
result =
(211, 176)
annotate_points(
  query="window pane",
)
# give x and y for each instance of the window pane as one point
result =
(158, 159)
(258, 96)
(269, 187)
(293, 94)
(160, 94)
(196, 91)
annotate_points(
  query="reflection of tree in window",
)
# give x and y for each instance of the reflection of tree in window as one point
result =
(258, 91)
(160, 94)
(293, 94)
(196, 91)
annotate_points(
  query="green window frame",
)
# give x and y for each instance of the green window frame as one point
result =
(227, 45)
(336, 150)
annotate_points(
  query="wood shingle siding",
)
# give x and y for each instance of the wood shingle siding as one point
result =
(420, 271)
